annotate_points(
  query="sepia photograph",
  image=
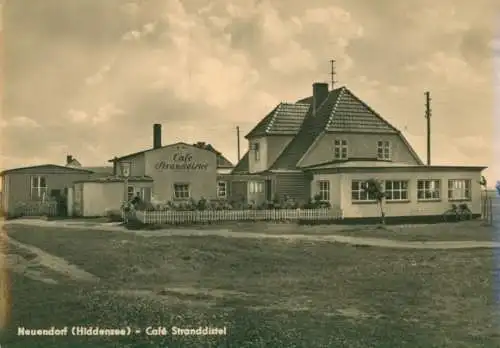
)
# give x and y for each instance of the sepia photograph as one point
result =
(249, 173)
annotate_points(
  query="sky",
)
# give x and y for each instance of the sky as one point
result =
(89, 78)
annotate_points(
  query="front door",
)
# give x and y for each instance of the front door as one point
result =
(269, 190)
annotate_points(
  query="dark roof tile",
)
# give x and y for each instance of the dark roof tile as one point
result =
(284, 119)
(243, 165)
(310, 129)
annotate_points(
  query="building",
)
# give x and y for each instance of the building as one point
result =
(179, 171)
(174, 172)
(43, 182)
(328, 144)
(36, 183)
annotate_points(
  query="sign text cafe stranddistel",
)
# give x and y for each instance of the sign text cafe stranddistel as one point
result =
(181, 162)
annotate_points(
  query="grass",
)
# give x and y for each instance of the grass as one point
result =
(460, 231)
(272, 293)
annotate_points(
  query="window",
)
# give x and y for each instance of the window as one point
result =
(256, 149)
(459, 190)
(324, 190)
(428, 190)
(130, 192)
(125, 168)
(359, 194)
(255, 187)
(340, 149)
(396, 190)
(181, 191)
(222, 189)
(384, 150)
(39, 188)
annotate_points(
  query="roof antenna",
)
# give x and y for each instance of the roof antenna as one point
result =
(332, 73)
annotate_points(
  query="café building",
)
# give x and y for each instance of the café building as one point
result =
(175, 172)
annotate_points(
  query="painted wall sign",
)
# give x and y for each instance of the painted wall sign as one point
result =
(181, 161)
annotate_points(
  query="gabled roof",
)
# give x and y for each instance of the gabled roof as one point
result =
(243, 165)
(311, 128)
(284, 119)
(222, 162)
(45, 169)
(341, 111)
(353, 114)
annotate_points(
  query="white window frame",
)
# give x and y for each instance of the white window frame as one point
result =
(324, 190)
(359, 194)
(185, 193)
(430, 190)
(255, 187)
(222, 189)
(256, 149)
(397, 190)
(130, 192)
(459, 190)
(36, 186)
(384, 150)
(340, 149)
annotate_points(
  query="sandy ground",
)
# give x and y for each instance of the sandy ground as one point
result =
(333, 238)
(37, 264)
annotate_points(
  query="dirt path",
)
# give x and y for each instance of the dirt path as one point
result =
(361, 241)
(31, 261)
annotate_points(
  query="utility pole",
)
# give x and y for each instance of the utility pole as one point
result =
(428, 113)
(332, 73)
(238, 141)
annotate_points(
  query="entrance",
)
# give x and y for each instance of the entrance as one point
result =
(269, 190)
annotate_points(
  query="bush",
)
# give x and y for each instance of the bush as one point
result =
(240, 203)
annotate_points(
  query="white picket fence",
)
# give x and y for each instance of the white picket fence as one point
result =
(36, 208)
(215, 216)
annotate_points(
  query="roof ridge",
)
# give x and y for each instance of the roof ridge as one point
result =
(334, 108)
(273, 118)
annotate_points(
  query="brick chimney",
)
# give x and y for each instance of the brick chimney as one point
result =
(320, 93)
(156, 136)
(69, 159)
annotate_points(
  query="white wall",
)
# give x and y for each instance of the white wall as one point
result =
(99, 197)
(342, 197)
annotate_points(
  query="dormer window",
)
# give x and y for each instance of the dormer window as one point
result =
(384, 150)
(340, 149)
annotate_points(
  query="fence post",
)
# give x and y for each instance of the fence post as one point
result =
(490, 208)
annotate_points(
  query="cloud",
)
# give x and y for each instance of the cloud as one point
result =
(21, 122)
(130, 8)
(103, 114)
(293, 59)
(77, 116)
(209, 66)
(99, 75)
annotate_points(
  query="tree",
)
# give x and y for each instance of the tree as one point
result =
(498, 187)
(374, 189)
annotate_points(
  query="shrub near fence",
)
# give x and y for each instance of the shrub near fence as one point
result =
(216, 216)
